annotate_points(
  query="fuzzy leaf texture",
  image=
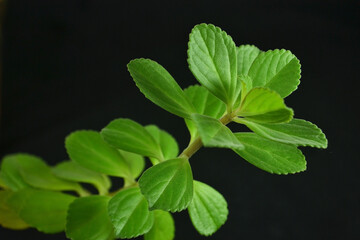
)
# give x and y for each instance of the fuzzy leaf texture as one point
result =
(163, 227)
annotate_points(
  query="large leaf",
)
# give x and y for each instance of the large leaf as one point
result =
(88, 219)
(205, 103)
(212, 60)
(163, 227)
(208, 210)
(297, 131)
(265, 106)
(9, 218)
(168, 185)
(273, 157)
(128, 135)
(88, 149)
(167, 143)
(129, 213)
(72, 171)
(44, 210)
(135, 162)
(160, 87)
(246, 54)
(10, 173)
(215, 134)
(278, 70)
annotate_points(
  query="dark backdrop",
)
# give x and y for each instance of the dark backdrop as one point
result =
(64, 68)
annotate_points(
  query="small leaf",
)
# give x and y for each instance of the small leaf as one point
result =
(278, 70)
(297, 131)
(163, 227)
(9, 218)
(160, 87)
(167, 143)
(88, 219)
(270, 156)
(135, 162)
(265, 106)
(72, 171)
(168, 185)
(208, 210)
(128, 135)
(10, 173)
(215, 134)
(44, 210)
(205, 103)
(212, 60)
(246, 54)
(129, 213)
(88, 149)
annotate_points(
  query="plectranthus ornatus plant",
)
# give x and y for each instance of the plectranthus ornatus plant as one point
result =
(236, 84)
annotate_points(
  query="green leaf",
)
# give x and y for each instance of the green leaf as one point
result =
(265, 106)
(88, 149)
(128, 135)
(246, 54)
(160, 87)
(129, 213)
(44, 210)
(167, 143)
(168, 185)
(212, 60)
(208, 210)
(215, 134)
(205, 103)
(88, 219)
(297, 131)
(278, 70)
(270, 156)
(135, 162)
(2, 183)
(163, 227)
(9, 218)
(10, 173)
(72, 171)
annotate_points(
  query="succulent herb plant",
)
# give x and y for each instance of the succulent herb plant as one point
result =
(237, 84)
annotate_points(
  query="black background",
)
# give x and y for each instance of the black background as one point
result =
(64, 68)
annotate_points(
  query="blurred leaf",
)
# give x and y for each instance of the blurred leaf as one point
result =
(9, 218)
(10, 173)
(135, 162)
(163, 227)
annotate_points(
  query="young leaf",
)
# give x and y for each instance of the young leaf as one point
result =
(163, 227)
(278, 70)
(212, 60)
(9, 218)
(265, 106)
(72, 171)
(44, 210)
(88, 149)
(246, 54)
(128, 135)
(205, 103)
(297, 131)
(215, 134)
(208, 210)
(135, 162)
(167, 143)
(129, 213)
(270, 156)
(88, 219)
(168, 185)
(160, 87)
(10, 173)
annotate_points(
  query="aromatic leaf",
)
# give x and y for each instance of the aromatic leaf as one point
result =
(278, 70)
(265, 106)
(88, 149)
(44, 210)
(270, 156)
(163, 227)
(10, 173)
(208, 210)
(246, 54)
(135, 162)
(168, 185)
(297, 131)
(128, 135)
(160, 87)
(72, 171)
(205, 103)
(88, 219)
(129, 213)
(215, 134)
(212, 60)
(9, 218)
(167, 143)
